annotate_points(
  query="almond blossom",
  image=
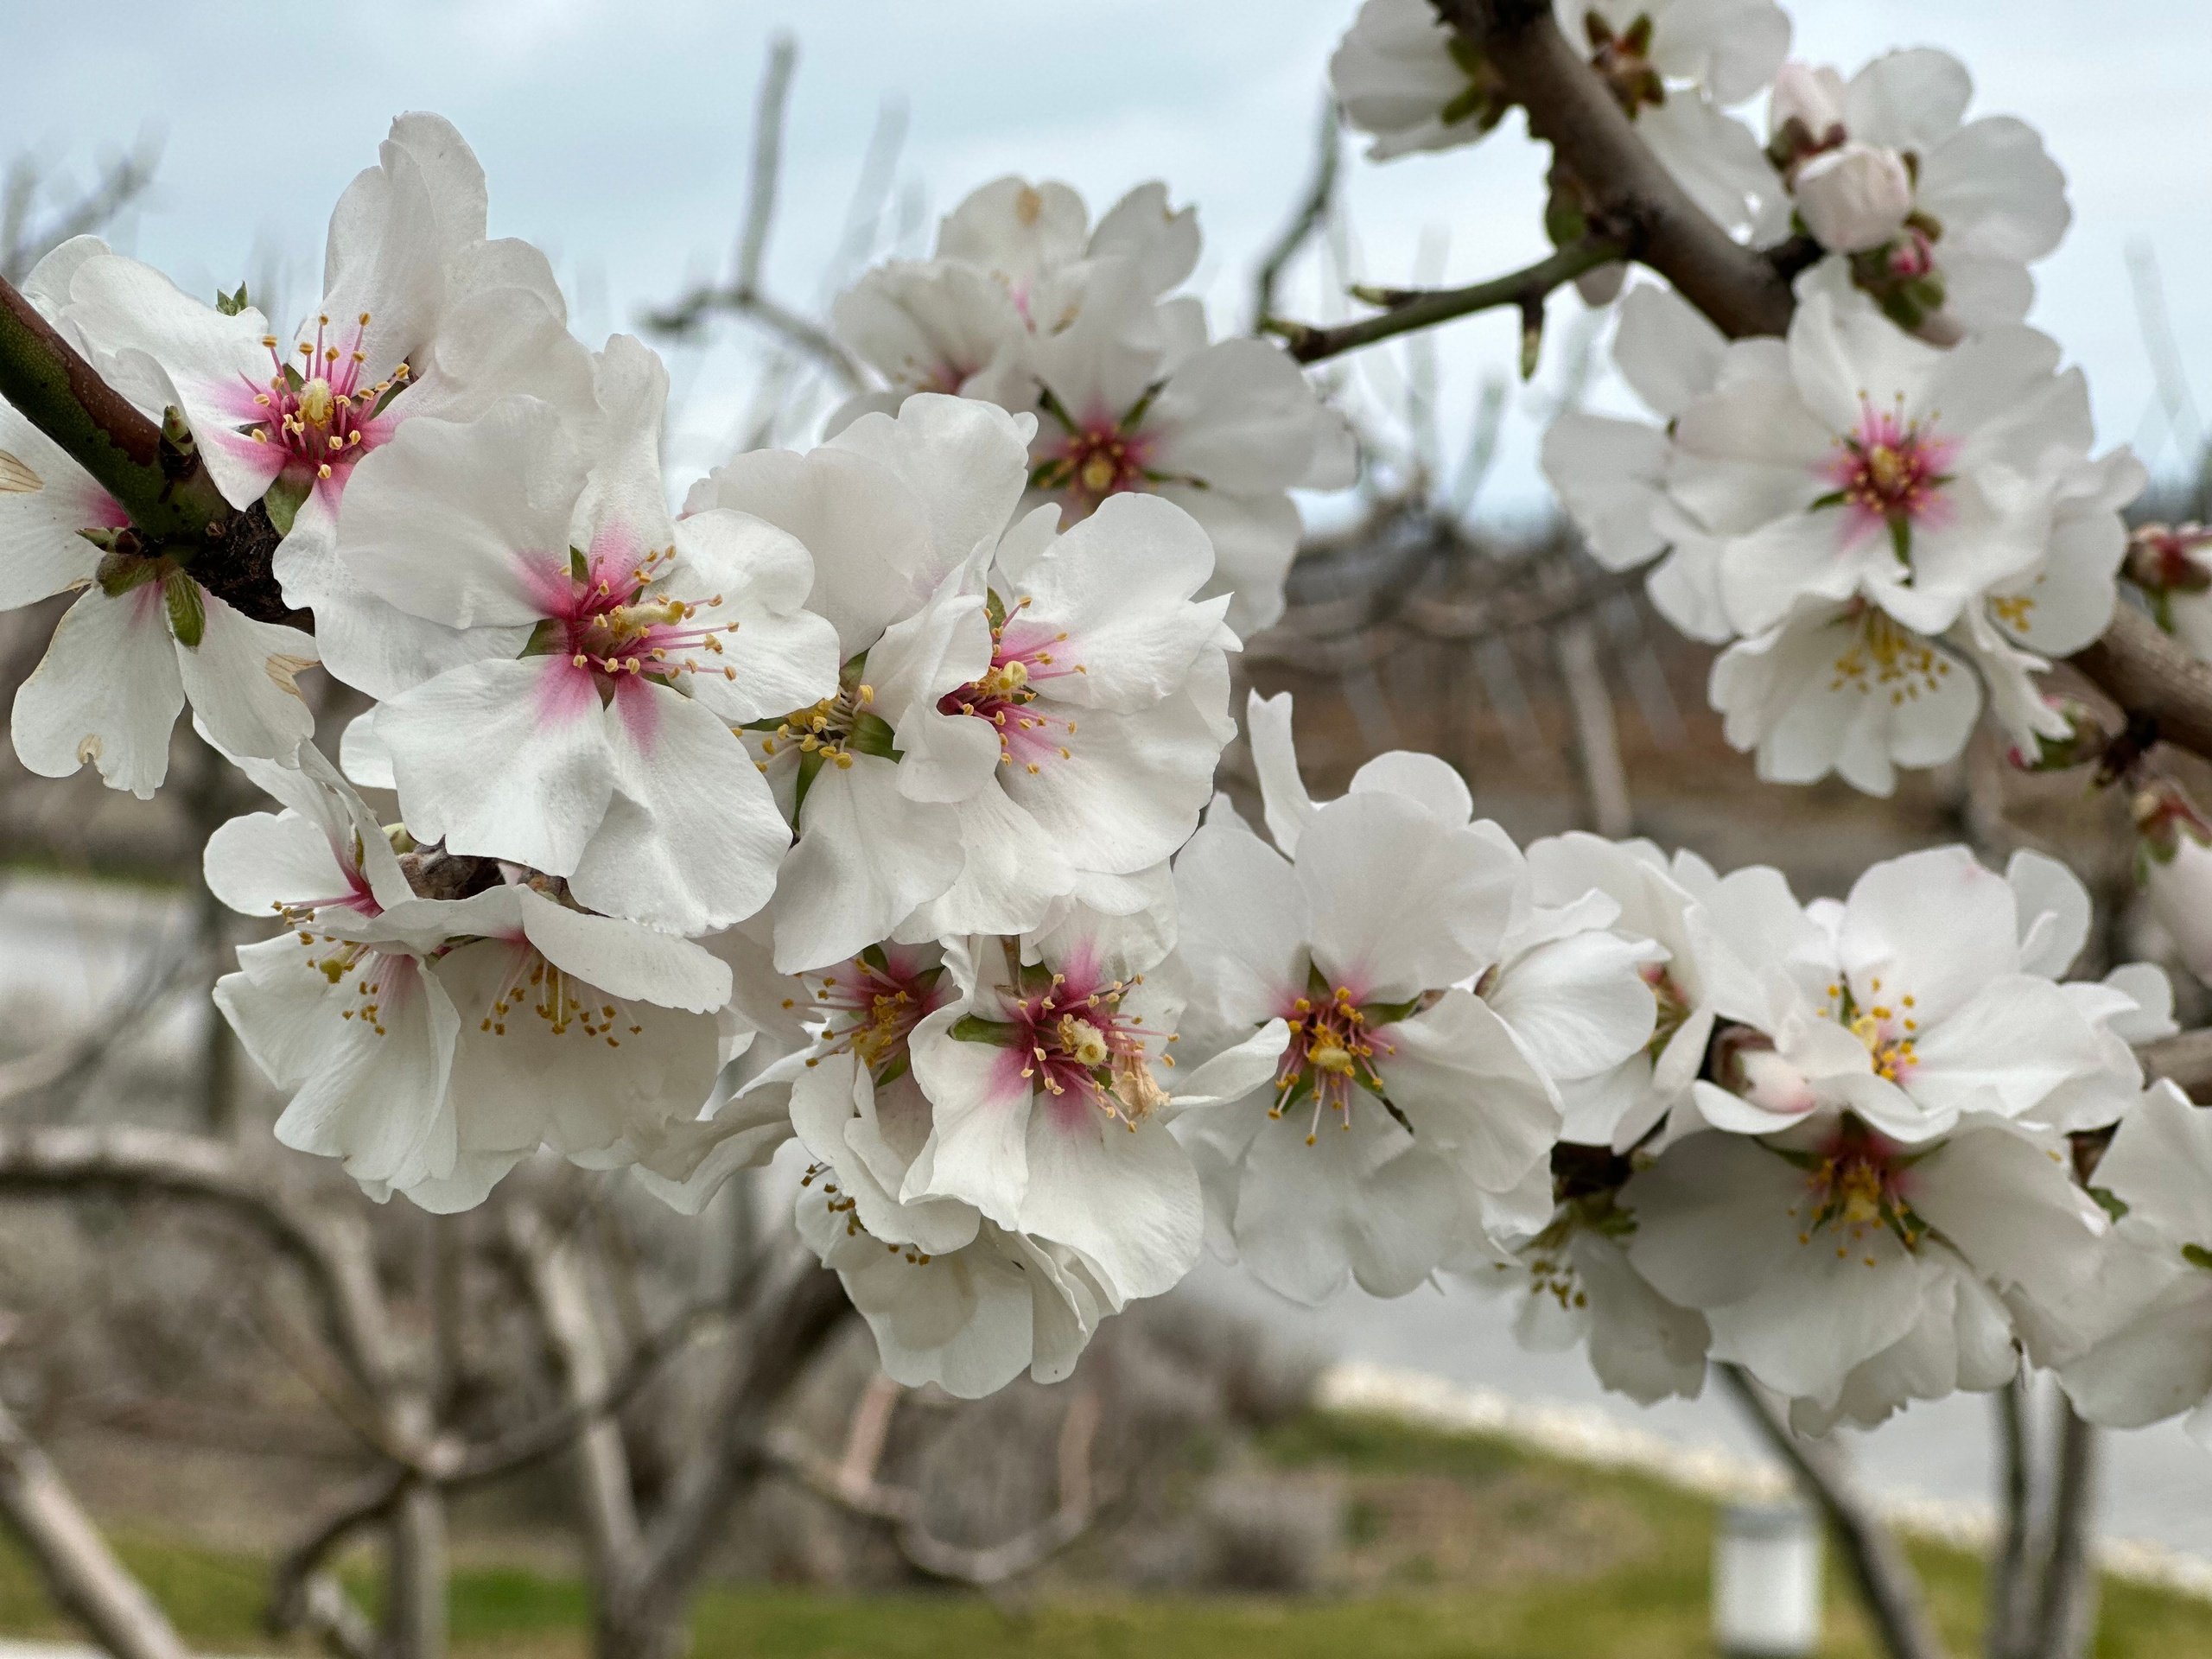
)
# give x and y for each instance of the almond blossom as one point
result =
(1937, 218)
(572, 709)
(1401, 1098)
(951, 1298)
(143, 637)
(1016, 709)
(433, 1043)
(1052, 1080)
(1815, 1251)
(420, 315)
(2152, 1356)
(1673, 65)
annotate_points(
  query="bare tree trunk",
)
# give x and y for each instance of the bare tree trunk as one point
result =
(80, 1571)
(2012, 1596)
(1888, 1588)
(415, 1603)
(2067, 1599)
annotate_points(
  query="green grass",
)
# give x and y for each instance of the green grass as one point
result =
(1642, 1595)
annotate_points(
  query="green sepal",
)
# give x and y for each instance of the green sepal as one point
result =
(230, 304)
(579, 565)
(1901, 537)
(1388, 1014)
(188, 610)
(2197, 1256)
(809, 766)
(974, 1029)
(893, 1069)
(547, 638)
(1796, 1159)
(286, 496)
(995, 608)
(1833, 498)
(872, 735)
(120, 571)
(871, 956)
(2110, 1202)
(293, 378)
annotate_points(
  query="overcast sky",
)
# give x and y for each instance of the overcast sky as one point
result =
(615, 135)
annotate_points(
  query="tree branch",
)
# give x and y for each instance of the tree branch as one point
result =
(2011, 1600)
(80, 1571)
(1409, 309)
(171, 498)
(1886, 1583)
(2066, 1603)
(1311, 210)
(2148, 672)
(1631, 197)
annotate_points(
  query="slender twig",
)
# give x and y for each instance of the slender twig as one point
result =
(2066, 1600)
(1630, 196)
(743, 293)
(1886, 1582)
(1525, 289)
(2011, 1598)
(1311, 210)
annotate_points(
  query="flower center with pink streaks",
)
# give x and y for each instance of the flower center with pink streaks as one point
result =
(612, 621)
(1856, 1187)
(1334, 1047)
(873, 1002)
(1890, 471)
(318, 411)
(1074, 1042)
(1024, 657)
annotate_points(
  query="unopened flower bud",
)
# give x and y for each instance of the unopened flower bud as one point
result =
(2088, 734)
(2173, 862)
(1746, 1064)
(1812, 96)
(1855, 197)
(2171, 558)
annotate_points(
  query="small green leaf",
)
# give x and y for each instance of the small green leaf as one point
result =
(121, 569)
(974, 1029)
(285, 497)
(187, 610)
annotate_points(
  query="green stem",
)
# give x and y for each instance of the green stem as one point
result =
(42, 376)
(1526, 289)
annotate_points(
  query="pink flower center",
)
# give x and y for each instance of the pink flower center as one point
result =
(611, 621)
(318, 411)
(874, 1002)
(1100, 457)
(1856, 1185)
(1888, 470)
(1073, 1041)
(1025, 656)
(1333, 1050)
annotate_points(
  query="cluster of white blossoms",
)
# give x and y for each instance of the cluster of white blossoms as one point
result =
(1027, 305)
(1892, 519)
(861, 811)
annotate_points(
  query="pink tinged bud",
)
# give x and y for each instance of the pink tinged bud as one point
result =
(1772, 1082)
(1812, 95)
(2179, 889)
(1854, 198)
